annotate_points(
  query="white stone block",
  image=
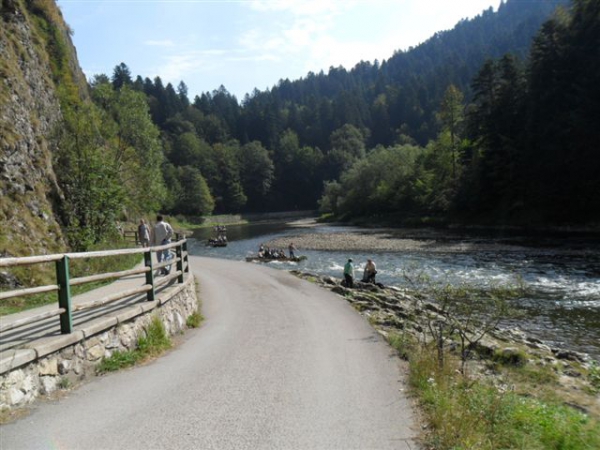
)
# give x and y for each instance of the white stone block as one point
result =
(48, 384)
(95, 353)
(49, 367)
(14, 396)
(16, 377)
(64, 366)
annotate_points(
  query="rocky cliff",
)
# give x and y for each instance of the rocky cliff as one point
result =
(38, 65)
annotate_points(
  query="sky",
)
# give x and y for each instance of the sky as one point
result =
(248, 44)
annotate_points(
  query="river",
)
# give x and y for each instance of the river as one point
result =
(561, 275)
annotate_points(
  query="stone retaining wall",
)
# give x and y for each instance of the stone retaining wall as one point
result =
(61, 361)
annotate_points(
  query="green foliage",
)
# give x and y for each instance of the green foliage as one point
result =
(153, 344)
(594, 376)
(256, 172)
(402, 344)
(194, 320)
(44, 274)
(510, 357)
(93, 194)
(64, 383)
(108, 162)
(117, 361)
(387, 180)
(194, 198)
(467, 414)
(473, 161)
(156, 340)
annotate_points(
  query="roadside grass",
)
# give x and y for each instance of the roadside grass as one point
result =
(194, 320)
(45, 274)
(523, 412)
(153, 344)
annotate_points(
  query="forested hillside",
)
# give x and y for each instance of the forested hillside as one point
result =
(492, 121)
(450, 129)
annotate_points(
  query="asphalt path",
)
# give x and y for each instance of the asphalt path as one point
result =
(279, 363)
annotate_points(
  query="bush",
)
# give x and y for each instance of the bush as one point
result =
(510, 357)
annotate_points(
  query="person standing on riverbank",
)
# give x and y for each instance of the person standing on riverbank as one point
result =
(291, 249)
(349, 273)
(162, 236)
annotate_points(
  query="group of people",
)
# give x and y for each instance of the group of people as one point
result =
(270, 253)
(368, 274)
(161, 234)
(276, 253)
(221, 239)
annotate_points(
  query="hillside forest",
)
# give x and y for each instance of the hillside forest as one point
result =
(492, 122)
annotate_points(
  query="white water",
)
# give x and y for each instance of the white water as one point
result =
(561, 299)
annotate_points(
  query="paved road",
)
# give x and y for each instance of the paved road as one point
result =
(278, 364)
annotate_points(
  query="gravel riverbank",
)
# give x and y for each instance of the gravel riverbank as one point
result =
(390, 242)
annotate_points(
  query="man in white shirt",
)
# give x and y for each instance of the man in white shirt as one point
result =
(162, 236)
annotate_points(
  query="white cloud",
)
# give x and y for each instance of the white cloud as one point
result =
(163, 43)
(298, 7)
(184, 65)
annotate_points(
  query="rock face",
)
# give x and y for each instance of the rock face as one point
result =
(30, 113)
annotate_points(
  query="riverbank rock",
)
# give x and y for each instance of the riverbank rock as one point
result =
(392, 310)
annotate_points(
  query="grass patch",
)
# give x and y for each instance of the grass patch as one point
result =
(468, 413)
(510, 357)
(194, 320)
(153, 344)
(193, 223)
(594, 376)
(45, 274)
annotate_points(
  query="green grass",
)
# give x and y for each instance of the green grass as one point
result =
(594, 376)
(192, 223)
(153, 344)
(45, 274)
(467, 413)
(194, 320)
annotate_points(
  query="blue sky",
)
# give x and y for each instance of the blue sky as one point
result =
(247, 44)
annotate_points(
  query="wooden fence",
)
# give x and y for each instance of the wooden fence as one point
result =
(177, 258)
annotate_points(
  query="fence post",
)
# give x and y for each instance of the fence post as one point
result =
(179, 255)
(64, 294)
(185, 252)
(149, 274)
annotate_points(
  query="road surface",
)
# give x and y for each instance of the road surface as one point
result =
(279, 363)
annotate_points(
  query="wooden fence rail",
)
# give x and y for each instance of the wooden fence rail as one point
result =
(177, 259)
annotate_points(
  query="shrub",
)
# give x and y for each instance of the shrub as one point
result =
(510, 357)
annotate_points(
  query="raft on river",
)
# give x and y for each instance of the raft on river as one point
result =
(216, 243)
(271, 258)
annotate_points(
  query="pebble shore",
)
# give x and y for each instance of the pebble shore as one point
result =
(385, 242)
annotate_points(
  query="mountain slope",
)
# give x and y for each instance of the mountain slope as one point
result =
(37, 59)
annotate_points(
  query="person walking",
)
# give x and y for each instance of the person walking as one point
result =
(144, 233)
(349, 273)
(162, 236)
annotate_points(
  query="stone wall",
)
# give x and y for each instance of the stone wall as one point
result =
(82, 350)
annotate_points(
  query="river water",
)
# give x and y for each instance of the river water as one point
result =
(560, 303)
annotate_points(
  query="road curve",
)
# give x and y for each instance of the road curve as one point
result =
(279, 363)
